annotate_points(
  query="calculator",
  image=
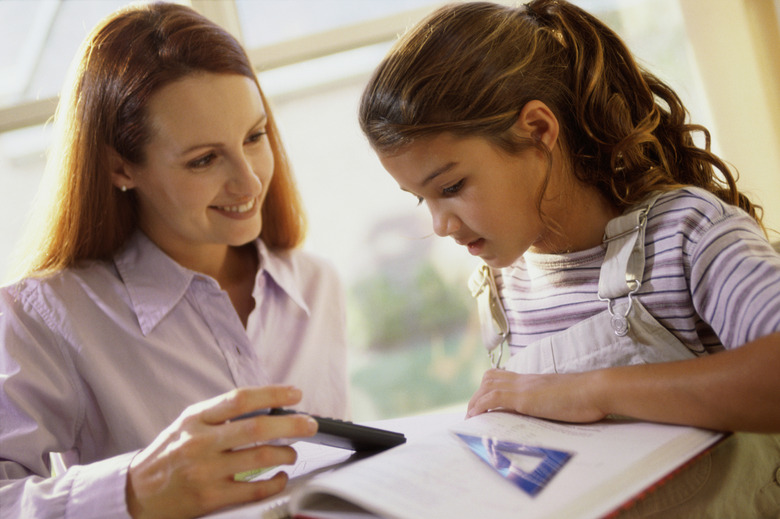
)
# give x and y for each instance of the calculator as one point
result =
(340, 433)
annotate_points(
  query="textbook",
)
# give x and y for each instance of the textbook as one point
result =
(498, 465)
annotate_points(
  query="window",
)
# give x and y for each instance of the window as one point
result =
(412, 324)
(413, 336)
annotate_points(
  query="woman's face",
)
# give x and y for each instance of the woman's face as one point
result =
(207, 165)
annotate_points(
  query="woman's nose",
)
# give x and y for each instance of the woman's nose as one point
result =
(244, 180)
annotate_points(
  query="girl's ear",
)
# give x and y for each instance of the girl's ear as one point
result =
(121, 175)
(538, 122)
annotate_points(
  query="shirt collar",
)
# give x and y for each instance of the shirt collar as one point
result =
(155, 283)
(281, 268)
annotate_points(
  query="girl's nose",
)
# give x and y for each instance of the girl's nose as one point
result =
(445, 223)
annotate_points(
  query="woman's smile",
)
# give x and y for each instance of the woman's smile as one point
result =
(240, 211)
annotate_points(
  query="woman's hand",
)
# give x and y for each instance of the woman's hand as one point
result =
(564, 397)
(188, 469)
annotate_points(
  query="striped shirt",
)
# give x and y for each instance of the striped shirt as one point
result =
(711, 278)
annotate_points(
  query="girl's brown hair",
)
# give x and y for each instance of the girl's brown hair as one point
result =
(122, 63)
(469, 69)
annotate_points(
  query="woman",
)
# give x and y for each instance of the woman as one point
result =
(162, 295)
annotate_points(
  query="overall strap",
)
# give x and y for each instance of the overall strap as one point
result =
(492, 318)
(624, 264)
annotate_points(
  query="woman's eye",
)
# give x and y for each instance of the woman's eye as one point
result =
(451, 190)
(202, 162)
(256, 136)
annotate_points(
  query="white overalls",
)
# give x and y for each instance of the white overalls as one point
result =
(739, 478)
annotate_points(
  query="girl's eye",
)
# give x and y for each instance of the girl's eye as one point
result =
(202, 162)
(451, 190)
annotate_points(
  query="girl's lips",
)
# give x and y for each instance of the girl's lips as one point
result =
(475, 247)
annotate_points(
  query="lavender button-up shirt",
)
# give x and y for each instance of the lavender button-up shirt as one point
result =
(96, 361)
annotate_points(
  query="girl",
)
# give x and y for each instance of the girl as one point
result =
(163, 295)
(636, 279)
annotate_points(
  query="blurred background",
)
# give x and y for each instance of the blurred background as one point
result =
(413, 329)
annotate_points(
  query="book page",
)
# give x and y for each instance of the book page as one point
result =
(439, 475)
(612, 461)
(312, 459)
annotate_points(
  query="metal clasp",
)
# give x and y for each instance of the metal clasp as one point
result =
(619, 322)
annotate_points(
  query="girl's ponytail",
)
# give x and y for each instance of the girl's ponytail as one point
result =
(631, 124)
(470, 68)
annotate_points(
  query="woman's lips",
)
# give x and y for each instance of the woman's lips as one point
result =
(238, 212)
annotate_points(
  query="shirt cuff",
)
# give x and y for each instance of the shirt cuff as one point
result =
(98, 489)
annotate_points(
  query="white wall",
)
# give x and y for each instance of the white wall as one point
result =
(736, 45)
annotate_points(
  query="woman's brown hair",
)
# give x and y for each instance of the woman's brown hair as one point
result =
(122, 63)
(469, 69)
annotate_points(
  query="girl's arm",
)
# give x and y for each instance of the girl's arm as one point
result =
(735, 390)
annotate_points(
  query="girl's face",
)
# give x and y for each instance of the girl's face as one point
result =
(482, 197)
(208, 165)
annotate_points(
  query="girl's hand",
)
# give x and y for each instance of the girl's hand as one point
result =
(564, 397)
(188, 469)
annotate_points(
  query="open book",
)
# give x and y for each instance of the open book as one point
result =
(501, 465)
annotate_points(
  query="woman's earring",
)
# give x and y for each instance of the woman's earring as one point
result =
(123, 188)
